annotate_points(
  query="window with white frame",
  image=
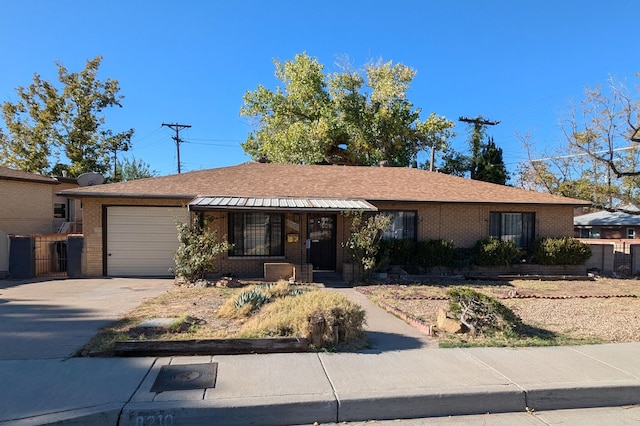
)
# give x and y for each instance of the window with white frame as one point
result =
(402, 226)
(513, 226)
(256, 234)
(631, 232)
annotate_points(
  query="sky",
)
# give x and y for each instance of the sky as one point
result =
(523, 63)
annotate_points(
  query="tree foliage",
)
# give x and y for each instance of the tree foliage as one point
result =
(567, 174)
(364, 238)
(62, 123)
(599, 159)
(490, 166)
(484, 161)
(343, 117)
(132, 169)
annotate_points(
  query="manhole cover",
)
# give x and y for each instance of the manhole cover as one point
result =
(185, 377)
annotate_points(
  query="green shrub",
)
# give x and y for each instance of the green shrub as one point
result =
(364, 239)
(396, 252)
(481, 313)
(494, 252)
(463, 257)
(256, 297)
(432, 253)
(561, 251)
(197, 251)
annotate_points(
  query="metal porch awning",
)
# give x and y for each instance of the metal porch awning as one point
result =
(280, 203)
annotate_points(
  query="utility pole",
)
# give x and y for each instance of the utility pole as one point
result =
(177, 127)
(476, 138)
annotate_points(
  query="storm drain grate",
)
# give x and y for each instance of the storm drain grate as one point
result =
(186, 377)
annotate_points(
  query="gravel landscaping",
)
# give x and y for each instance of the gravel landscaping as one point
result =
(607, 310)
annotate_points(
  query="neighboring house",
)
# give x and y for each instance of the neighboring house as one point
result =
(607, 225)
(278, 213)
(30, 205)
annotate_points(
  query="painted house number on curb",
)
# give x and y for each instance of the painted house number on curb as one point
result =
(157, 420)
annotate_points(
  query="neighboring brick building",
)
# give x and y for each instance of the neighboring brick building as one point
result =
(277, 213)
(29, 204)
(608, 225)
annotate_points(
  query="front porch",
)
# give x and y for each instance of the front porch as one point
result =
(280, 238)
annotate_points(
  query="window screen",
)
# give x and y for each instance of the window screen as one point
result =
(256, 234)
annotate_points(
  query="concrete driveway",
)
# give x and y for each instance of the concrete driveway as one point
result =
(54, 318)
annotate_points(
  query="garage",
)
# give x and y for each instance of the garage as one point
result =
(141, 241)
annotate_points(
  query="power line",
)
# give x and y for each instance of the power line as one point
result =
(177, 127)
(582, 154)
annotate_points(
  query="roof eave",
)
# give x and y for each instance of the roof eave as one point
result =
(75, 194)
(575, 203)
(44, 181)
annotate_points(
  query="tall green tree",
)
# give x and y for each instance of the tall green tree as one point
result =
(343, 117)
(490, 166)
(63, 123)
(484, 161)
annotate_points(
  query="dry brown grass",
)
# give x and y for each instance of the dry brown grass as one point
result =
(290, 316)
(209, 313)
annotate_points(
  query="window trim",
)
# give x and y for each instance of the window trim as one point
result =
(65, 209)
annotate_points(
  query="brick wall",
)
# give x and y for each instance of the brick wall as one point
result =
(461, 224)
(464, 224)
(26, 207)
(294, 251)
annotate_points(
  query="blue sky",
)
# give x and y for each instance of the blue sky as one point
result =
(518, 62)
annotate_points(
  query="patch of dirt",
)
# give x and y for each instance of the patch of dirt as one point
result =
(606, 309)
(198, 303)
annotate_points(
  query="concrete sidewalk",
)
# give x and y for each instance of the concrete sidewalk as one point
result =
(401, 376)
(305, 388)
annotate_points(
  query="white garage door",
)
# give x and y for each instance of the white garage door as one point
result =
(141, 241)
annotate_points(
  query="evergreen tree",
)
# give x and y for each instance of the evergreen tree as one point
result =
(490, 166)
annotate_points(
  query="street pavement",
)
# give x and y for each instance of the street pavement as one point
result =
(402, 375)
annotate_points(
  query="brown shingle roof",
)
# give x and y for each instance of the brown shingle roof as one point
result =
(10, 174)
(286, 180)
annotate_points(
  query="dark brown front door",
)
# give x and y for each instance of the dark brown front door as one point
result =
(322, 236)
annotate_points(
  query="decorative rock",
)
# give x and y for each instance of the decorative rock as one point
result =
(447, 324)
(228, 282)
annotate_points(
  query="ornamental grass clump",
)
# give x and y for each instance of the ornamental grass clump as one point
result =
(343, 320)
